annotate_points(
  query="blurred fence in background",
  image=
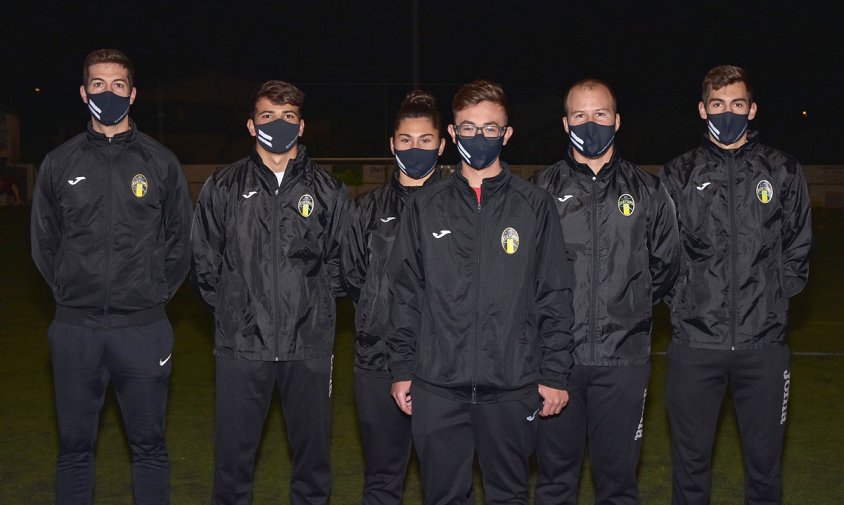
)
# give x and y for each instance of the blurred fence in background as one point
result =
(826, 182)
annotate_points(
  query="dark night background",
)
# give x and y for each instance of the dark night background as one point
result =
(198, 62)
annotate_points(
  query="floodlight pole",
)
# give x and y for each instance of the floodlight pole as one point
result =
(415, 32)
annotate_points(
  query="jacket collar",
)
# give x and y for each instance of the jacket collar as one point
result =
(721, 153)
(294, 166)
(607, 170)
(489, 187)
(397, 186)
(120, 140)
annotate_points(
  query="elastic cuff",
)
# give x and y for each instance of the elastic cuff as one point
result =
(401, 371)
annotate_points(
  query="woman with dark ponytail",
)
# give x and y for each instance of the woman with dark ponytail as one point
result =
(385, 430)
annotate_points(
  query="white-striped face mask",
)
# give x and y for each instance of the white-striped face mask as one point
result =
(478, 151)
(108, 108)
(727, 127)
(592, 139)
(277, 136)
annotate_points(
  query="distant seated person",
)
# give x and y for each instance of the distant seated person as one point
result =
(9, 190)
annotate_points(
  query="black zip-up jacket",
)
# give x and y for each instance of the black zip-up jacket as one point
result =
(621, 229)
(481, 301)
(371, 232)
(109, 229)
(745, 223)
(266, 258)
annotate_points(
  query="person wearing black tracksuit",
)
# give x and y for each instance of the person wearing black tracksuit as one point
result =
(110, 223)
(619, 225)
(481, 308)
(266, 251)
(744, 215)
(385, 430)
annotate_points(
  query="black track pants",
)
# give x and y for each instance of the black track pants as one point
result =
(386, 436)
(607, 404)
(244, 393)
(759, 382)
(138, 361)
(448, 433)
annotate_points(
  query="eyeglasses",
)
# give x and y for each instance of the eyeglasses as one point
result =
(490, 131)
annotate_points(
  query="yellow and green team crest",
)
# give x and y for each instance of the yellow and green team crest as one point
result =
(764, 191)
(306, 205)
(510, 240)
(139, 185)
(626, 204)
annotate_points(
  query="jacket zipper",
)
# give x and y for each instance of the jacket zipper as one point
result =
(592, 315)
(477, 300)
(274, 238)
(106, 301)
(733, 249)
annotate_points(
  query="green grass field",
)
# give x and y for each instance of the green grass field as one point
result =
(28, 439)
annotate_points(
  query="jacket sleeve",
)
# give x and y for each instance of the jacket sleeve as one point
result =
(45, 224)
(335, 235)
(667, 182)
(663, 244)
(407, 290)
(354, 257)
(796, 232)
(208, 242)
(177, 219)
(554, 279)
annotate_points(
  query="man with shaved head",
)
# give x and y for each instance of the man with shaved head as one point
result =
(621, 234)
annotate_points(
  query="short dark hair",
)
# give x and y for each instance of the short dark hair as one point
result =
(108, 56)
(590, 83)
(279, 93)
(724, 75)
(479, 91)
(418, 104)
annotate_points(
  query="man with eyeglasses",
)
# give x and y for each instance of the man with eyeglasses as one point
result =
(482, 313)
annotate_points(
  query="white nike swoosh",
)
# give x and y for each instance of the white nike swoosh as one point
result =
(702, 186)
(441, 234)
(250, 194)
(533, 416)
(564, 198)
(387, 219)
(164, 361)
(75, 181)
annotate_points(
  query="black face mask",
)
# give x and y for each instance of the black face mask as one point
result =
(479, 152)
(107, 108)
(727, 127)
(277, 136)
(592, 139)
(417, 163)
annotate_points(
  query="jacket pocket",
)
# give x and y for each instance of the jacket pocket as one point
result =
(680, 302)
